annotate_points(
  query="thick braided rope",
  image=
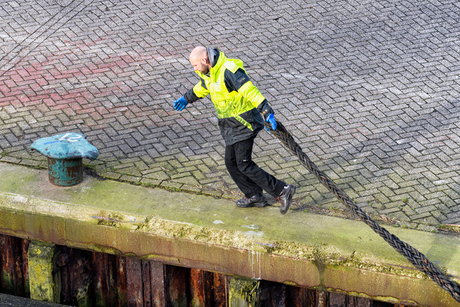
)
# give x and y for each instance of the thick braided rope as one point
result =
(414, 256)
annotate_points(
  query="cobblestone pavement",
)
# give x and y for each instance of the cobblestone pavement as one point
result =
(369, 89)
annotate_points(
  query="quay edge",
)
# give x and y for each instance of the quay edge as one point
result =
(180, 229)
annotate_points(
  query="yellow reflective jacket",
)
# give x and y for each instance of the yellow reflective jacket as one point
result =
(237, 100)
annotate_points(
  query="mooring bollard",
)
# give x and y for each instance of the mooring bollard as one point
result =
(65, 153)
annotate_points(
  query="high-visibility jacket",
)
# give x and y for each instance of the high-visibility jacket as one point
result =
(238, 102)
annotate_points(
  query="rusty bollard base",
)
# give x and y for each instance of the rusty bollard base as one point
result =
(65, 153)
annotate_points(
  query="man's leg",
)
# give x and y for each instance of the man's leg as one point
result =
(277, 188)
(244, 183)
(247, 167)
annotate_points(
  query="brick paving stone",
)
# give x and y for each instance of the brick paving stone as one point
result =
(369, 90)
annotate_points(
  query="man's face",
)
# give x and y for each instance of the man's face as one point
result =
(200, 65)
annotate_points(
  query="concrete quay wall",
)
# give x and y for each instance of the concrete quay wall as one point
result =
(201, 232)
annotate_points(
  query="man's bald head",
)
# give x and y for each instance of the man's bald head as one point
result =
(200, 60)
(198, 53)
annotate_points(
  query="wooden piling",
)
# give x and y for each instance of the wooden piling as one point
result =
(104, 280)
(121, 282)
(157, 283)
(243, 292)
(83, 278)
(42, 286)
(197, 288)
(134, 282)
(176, 280)
(146, 284)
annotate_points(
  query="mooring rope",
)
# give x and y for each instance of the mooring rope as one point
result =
(414, 256)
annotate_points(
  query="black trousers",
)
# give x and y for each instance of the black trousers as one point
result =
(249, 177)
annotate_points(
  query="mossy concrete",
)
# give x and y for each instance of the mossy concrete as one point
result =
(208, 233)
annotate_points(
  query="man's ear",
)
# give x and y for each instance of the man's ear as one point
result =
(205, 61)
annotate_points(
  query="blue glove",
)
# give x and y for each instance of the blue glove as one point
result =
(271, 119)
(180, 104)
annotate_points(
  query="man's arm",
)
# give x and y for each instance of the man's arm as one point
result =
(199, 91)
(240, 82)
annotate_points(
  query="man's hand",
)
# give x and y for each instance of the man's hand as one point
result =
(271, 119)
(180, 104)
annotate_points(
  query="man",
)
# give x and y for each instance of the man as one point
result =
(241, 111)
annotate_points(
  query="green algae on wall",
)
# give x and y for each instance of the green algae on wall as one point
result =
(321, 255)
(243, 292)
(42, 286)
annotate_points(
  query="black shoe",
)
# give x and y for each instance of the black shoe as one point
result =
(285, 198)
(257, 200)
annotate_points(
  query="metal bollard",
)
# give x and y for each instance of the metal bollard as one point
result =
(65, 153)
